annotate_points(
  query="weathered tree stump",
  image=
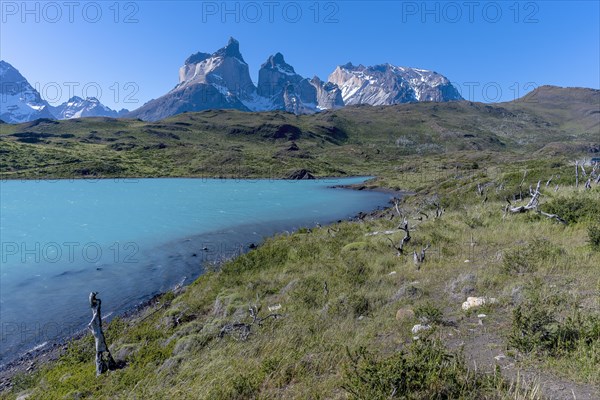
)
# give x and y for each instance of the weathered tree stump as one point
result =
(104, 360)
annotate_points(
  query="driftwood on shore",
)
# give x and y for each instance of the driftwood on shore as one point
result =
(104, 360)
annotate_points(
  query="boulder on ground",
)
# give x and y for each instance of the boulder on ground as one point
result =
(404, 313)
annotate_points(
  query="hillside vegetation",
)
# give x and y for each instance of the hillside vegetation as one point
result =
(331, 312)
(349, 141)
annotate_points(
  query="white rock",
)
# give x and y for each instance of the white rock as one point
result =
(481, 316)
(392, 273)
(275, 307)
(418, 328)
(477, 302)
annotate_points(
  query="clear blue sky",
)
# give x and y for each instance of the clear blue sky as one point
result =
(483, 44)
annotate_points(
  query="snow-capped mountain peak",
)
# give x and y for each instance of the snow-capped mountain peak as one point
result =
(389, 84)
(19, 101)
(76, 107)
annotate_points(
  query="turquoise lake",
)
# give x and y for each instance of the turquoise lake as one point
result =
(130, 239)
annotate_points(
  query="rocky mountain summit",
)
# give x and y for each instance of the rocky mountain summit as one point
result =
(19, 101)
(387, 84)
(286, 90)
(221, 80)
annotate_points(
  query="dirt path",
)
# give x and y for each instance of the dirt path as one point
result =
(484, 349)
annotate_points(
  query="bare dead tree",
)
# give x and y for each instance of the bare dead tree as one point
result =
(576, 174)
(549, 180)
(396, 206)
(104, 360)
(524, 176)
(400, 246)
(480, 190)
(533, 204)
(521, 186)
(439, 210)
(588, 183)
(420, 258)
(594, 174)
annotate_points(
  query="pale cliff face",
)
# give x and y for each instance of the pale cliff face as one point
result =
(387, 84)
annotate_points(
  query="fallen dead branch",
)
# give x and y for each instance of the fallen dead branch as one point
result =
(243, 329)
(533, 204)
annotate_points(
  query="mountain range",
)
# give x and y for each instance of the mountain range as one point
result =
(21, 102)
(221, 80)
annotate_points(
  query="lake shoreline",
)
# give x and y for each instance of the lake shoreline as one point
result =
(32, 360)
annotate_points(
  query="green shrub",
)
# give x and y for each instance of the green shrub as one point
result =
(310, 292)
(359, 304)
(526, 259)
(594, 236)
(573, 209)
(535, 328)
(424, 370)
(429, 313)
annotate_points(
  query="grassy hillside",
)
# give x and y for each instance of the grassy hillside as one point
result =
(348, 141)
(343, 302)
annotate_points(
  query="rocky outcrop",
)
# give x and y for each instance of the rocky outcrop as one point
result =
(206, 81)
(329, 95)
(285, 89)
(300, 174)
